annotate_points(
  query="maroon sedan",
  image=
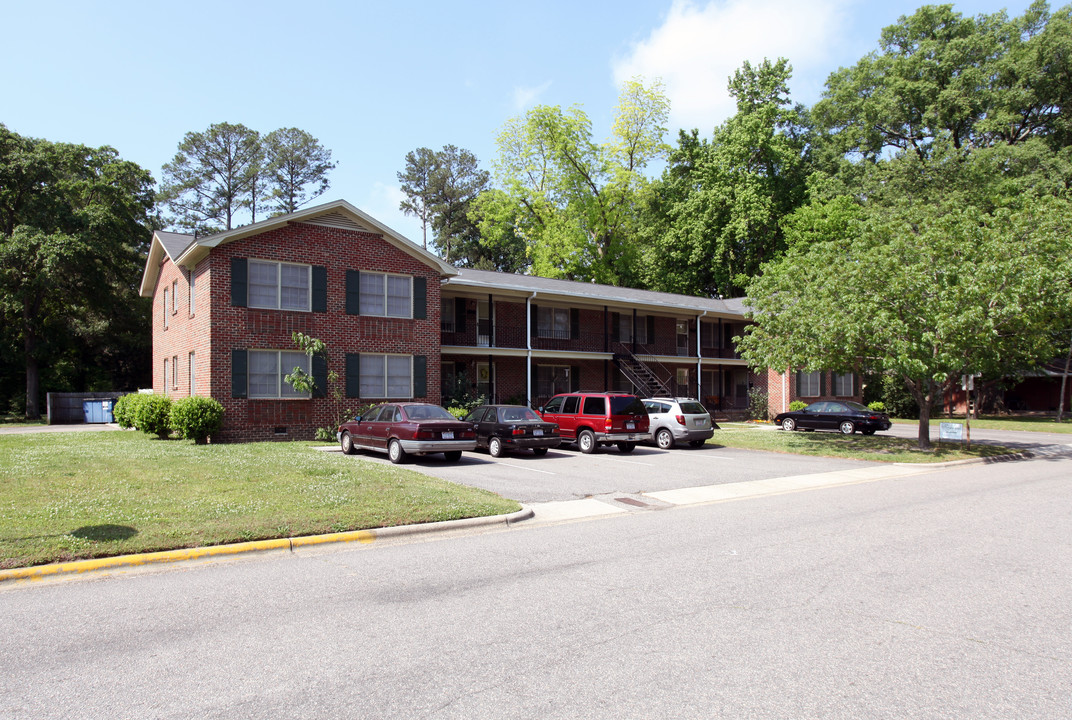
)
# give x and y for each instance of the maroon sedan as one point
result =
(407, 428)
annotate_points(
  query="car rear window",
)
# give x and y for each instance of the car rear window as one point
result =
(627, 405)
(692, 408)
(515, 415)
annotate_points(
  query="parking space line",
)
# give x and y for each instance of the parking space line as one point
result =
(522, 467)
(631, 462)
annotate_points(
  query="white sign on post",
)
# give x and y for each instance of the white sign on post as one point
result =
(950, 431)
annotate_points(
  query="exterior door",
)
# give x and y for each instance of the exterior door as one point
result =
(484, 326)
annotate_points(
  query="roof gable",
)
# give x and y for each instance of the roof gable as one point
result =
(187, 250)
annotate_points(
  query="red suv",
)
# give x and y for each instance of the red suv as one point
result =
(594, 419)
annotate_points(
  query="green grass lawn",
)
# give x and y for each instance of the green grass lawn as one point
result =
(1029, 423)
(879, 448)
(68, 496)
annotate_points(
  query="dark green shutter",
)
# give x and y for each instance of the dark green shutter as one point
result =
(796, 385)
(822, 383)
(239, 374)
(353, 295)
(615, 327)
(651, 329)
(533, 320)
(575, 378)
(320, 289)
(574, 323)
(420, 298)
(353, 375)
(420, 376)
(320, 376)
(238, 283)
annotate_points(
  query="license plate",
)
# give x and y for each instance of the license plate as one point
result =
(448, 434)
(537, 432)
(700, 421)
(630, 426)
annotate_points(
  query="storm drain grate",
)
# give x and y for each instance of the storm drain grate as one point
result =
(631, 501)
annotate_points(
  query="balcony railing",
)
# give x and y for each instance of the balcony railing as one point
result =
(514, 338)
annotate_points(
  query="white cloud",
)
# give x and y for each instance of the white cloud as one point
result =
(697, 49)
(524, 97)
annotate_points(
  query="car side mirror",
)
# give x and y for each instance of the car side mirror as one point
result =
(540, 410)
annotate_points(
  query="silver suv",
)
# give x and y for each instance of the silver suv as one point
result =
(676, 420)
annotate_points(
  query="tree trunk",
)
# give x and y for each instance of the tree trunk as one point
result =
(1064, 382)
(33, 386)
(924, 424)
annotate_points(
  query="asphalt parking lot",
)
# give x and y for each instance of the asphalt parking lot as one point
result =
(567, 474)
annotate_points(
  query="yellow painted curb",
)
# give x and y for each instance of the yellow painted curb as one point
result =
(77, 567)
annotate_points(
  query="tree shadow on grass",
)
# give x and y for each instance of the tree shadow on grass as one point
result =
(104, 533)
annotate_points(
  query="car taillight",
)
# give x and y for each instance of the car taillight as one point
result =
(680, 419)
(609, 424)
(518, 431)
(425, 435)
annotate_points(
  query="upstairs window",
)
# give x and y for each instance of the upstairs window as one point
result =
(553, 323)
(386, 295)
(279, 286)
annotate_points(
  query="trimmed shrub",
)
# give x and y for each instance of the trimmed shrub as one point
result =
(797, 405)
(758, 408)
(154, 416)
(877, 406)
(125, 411)
(195, 418)
(458, 412)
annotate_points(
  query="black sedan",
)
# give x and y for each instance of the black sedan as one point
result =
(844, 416)
(501, 428)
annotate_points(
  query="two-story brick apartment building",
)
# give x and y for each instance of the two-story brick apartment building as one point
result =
(399, 323)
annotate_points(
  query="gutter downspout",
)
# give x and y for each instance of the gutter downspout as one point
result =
(699, 360)
(528, 345)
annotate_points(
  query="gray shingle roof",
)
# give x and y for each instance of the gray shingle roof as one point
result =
(174, 243)
(610, 294)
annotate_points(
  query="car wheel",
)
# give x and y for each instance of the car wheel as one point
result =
(395, 452)
(495, 447)
(847, 427)
(664, 439)
(453, 455)
(697, 443)
(347, 443)
(586, 441)
(539, 451)
(626, 447)
(789, 424)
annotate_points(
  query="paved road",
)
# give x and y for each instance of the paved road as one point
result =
(1016, 439)
(936, 595)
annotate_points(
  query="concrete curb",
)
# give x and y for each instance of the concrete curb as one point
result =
(1011, 457)
(81, 567)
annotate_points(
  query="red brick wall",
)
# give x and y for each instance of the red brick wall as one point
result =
(241, 328)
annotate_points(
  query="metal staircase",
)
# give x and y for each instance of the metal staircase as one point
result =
(644, 379)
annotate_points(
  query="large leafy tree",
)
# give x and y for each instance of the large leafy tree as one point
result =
(212, 177)
(975, 82)
(716, 215)
(296, 168)
(75, 223)
(574, 199)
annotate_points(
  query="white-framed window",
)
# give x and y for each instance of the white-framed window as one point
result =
(809, 384)
(446, 315)
(267, 369)
(843, 385)
(386, 376)
(167, 367)
(192, 303)
(165, 320)
(175, 372)
(174, 296)
(280, 286)
(386, 295)
(553, 322)
(625, 327)
(193, 384)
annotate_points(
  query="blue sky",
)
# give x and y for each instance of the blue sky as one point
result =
(373, 81)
